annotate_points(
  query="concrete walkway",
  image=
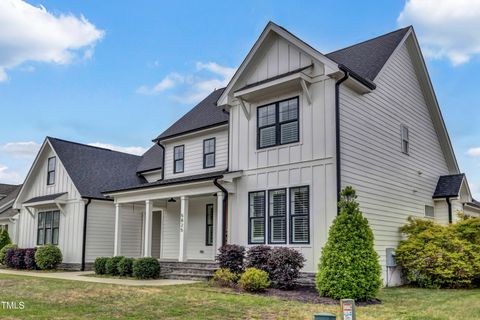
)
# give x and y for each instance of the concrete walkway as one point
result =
(82, 276)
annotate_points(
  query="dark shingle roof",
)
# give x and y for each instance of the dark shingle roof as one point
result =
(94, 169)
(48, 197)
(187, 179)
(7, 188)
(449, 186)
(151, 160)
(367, 58)
(7, 211)
(203, 115)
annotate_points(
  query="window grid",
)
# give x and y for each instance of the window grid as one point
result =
(178, 159)
(209, 226)
(277, 218)
(48, 227)
(51, 164)
(209, 153)
(256, 217)
(300, 215)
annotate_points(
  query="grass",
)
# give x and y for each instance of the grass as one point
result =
(60, 299)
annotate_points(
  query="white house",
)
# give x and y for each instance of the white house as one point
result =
(8, 193)
(261, 162)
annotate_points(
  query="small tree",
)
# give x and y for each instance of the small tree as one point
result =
(349, 265)
(4, 238)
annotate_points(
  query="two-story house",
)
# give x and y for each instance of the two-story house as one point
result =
(8, 193)
(261, 161)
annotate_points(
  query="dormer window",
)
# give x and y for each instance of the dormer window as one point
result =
(51, 170)
(178, 159)
(209, 153)
(277, 123)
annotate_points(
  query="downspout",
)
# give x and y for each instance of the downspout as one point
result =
(337, 130)
(224, 210)
(450, 217)
(84, 244)
(163, 159)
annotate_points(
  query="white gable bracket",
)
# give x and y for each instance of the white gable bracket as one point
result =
(59, 206)
(246, 111)
(32, 213)
(306, 91)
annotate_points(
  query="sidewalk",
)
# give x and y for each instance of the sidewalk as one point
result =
(82, 276)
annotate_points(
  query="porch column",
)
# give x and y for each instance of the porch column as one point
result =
(118, 230)
(147, 252)
(219, 225)
(182, 252)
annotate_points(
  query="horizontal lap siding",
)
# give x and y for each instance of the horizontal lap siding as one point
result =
(132, 230)
(391, 185)
(101, 230)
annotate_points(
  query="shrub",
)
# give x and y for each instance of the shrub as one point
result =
(48, 257)
(254, 280)
(30, 259)
(284, 266)
(10, 258)
(231, 257)
(17, 258)
(438, 257)
(4, 238)
(257, 257)
(146, 268)
(3, 252)
(468, 229)
(99, 265)
(225, 278)
(125, 266)
(111, 266)
(349, 265)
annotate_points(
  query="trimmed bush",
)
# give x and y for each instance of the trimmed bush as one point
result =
(48, 257)
(257, 257)
(231, 257)
(125, 267)
(349, 266)
(284, 265)
(99, 265)
(30, 259)
(4, 238)
(146, 268)
(111, 266)
(439, 256)
(10, 258)
(254, 280)
(3, 252)
(17, 259)
(225, 278)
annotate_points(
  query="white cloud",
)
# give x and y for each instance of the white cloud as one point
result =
(198, 84)
(132, 150)
(21, 149)
(9, 176)
(29, 33)
(474, 152)
(447, 28)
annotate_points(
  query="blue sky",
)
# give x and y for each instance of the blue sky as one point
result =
(119, 72)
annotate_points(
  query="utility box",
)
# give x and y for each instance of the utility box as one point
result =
(390, 254)
(324, 316)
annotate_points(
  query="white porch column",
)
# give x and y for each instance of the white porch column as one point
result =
(182, 252)
(118, 230)
(219, 224)
(147, 249)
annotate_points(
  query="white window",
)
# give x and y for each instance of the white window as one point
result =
(405, 140)
(429, 211)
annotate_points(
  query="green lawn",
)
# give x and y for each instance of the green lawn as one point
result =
(59, 299)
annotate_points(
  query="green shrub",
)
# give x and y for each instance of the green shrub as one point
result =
(254, 280)
(111, 266)
(3, 252)
(4, 238)
(349, 266)
(48, 257)
(146, 268)
(99, 266)
(125, 267)
(225, 278)
(468, 229)
(439, 256)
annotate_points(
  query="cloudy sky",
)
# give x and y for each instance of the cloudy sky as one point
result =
(116, 74)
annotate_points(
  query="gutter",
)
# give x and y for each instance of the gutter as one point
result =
(224, 210)
(84, 244)
(163, 158)
(450, 217)
(337, 131)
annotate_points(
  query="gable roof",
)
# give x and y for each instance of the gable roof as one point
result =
(449, 186)
(368, 58)
(94, 169)
(6, 203)
(151, 160)
(204, 115)
(5, 189)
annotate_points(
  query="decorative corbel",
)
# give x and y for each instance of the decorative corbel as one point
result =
(306, 91)
(244, 108)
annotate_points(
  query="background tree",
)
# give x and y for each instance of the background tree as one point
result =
(4, 238)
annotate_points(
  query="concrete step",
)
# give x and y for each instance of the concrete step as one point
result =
(186, 276)
(199, 271)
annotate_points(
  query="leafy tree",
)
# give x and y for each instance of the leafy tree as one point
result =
(4, 238)
(349, 266)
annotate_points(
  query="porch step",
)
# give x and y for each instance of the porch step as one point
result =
(186, 276)
(191, 270)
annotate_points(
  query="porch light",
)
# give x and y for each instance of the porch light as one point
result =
(172, 200)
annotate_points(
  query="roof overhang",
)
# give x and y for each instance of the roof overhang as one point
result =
(57, 200)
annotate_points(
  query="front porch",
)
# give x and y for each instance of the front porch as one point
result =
(174, 225)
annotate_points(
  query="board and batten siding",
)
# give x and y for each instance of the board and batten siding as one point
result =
(193, 163)
(390, 184)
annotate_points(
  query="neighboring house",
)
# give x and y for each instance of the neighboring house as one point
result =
(262, 161)
(8, 215)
